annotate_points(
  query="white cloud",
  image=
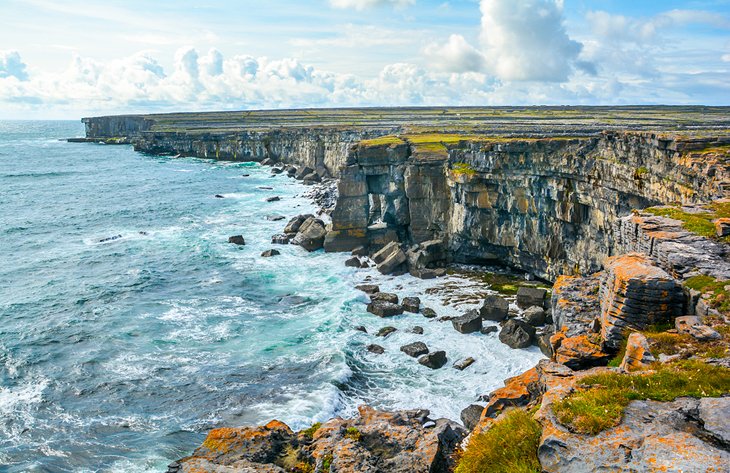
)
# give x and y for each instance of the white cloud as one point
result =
(11, 65)
(364, 4)
(527, 40)
(456, 55)
(726, 58)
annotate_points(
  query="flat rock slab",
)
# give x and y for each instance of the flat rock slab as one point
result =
(411, 304)
(385, 331)
(464, 364)
(517, 334)
(368, 288)
(384, 297)
(377, 349)
(429, 313)
(530, 296)
(468, 323)
(494, 308)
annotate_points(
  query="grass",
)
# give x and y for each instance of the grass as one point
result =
(383, 141)
(601, 403)
(353, 433)
(719, 296)
(615, 362)
(700, 223)
(509, 446)
(309, 433)
(327, 462)
(640, 172)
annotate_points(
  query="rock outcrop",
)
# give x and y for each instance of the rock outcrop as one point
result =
(373, 442)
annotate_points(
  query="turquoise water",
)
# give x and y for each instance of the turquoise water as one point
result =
(120, 355)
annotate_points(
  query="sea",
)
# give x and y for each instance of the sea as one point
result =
(129, 326)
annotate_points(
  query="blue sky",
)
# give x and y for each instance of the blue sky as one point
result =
(67, 58)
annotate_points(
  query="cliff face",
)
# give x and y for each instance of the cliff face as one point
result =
(548, 206)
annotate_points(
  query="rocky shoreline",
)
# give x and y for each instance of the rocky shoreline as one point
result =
(630, 226)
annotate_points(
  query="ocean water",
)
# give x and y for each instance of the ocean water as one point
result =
(119, 355)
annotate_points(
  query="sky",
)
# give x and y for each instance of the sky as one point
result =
(73, 58)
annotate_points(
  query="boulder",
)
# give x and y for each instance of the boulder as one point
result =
(714, 414)
(385, 331)
(426, 254)
(368, 288)
(385, 297)
(296, 222)
(461, 365)
(417, 330)
(218, 196)
(291, 171)
(361, 328)
(414, 349)
(353, 262)
(428, 313)
(578, 352)
(270, 253)
(280, 239)
(470, 416)
(489, 329)
(434, 360)
(518, 391)
(693, 326)
(275, 198)
(384, 309)
(529, 296)
(411, 304)
(268, 162)
(312, 178)
(303, 171)
(389, 258)
(275, 218)
(517, 334)
(637, 355)
(468, 323)
(377, 349)
(360, 251)
(534, 316)
(635, 293)
(494, 308)
(237, 240)
(428, 273)
(277, 170)
(310, 235)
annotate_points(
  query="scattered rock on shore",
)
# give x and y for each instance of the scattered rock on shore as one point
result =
(433, 360)
(237, 240)
(494, 308)
(310, 235)
(517, 334)
(385, 331)
(368, 288)
(464, 364)
(414, 349)
(270, 253)
(411, 304)
(429, 313)
(384, 296)
(384, 309)
(468, 323)
(531, 296)
(377, 349)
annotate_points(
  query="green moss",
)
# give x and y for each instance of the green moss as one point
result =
(463, 169)
(353, 433)
(615, 362)
(509, 446)
(327, 462)
(601, 404)
(699, 223)
(309, 433)
(640, 172)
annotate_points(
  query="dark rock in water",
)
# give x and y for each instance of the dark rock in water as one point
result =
(353, 262)
(296, 222)
(464, 364)
(237, 240)
(143, 233)
(534, 316)
(389, 258)
(385, 331)
(268, 162)
(490, 329)
(361, 328)
(245, 175)
(277, 170)
(530, 296)
(276, 198)
(446, 318)
(280, 239)
(471, 415)
(377, 349)
(112, 238)
(495, 308)
(517, 334)
(368, 288)
(364, 263)
(384, 309)
(291, 171)
(428, 313)
(411, 304)
(265, 188)
(360, 251)
(384, 296)
(414, 349)
(310, 235)
(468, 323)
(274, 218)
(270, 253)
(218, 196)
(433, 360)
(293, 300)
(417, 330)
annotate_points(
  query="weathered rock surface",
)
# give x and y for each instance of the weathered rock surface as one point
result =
(310, 235)
(638, 355)
(531, 296)
(429, 313)
(369, 288)
(384, 296)
(534, 316)
(517, 334)
(411, 304)
(634, 294)
(384, 309)
(270, 253)
(237, 240)
(389, 258)
(461, 365)
(693, 326)
(434, 360)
